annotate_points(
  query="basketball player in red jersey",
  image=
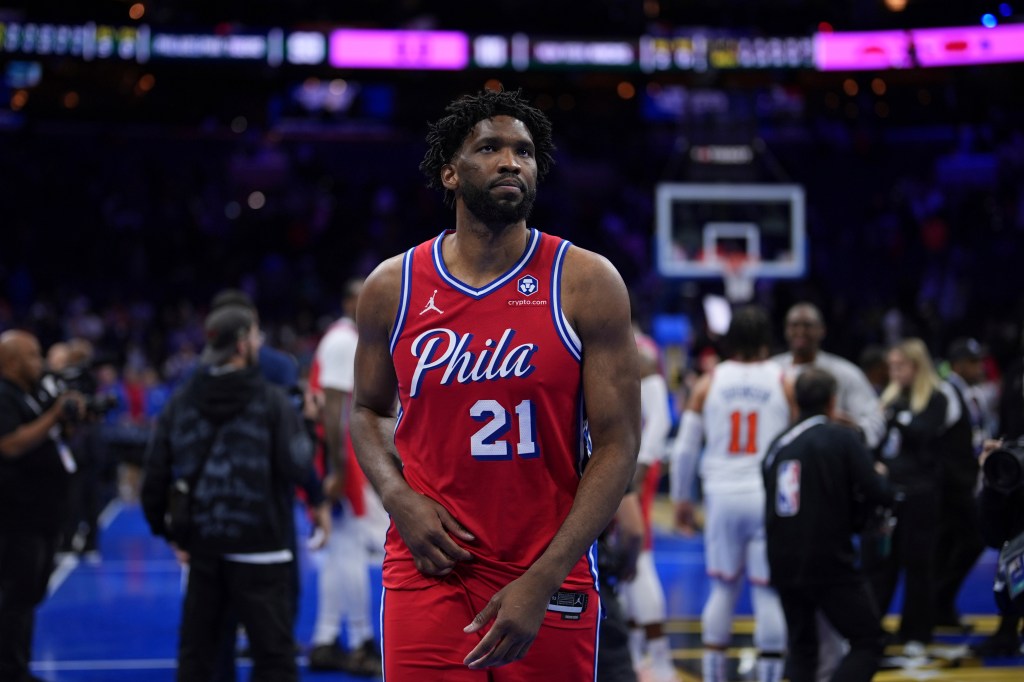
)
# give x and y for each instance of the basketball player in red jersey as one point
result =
(513, 358)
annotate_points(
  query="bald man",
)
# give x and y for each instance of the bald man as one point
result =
(35, 467)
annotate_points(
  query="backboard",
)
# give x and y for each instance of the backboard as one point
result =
(704, 229)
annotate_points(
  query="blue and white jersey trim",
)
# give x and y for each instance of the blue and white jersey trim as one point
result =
(455, 283)
(565, 331)
(403, 303)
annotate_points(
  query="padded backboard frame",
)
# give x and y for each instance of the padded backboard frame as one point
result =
(697, 223)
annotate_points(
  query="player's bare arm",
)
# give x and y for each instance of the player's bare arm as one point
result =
(788, 388)
(425, 526)
(597, 305)
(686, 451)
(336, 417)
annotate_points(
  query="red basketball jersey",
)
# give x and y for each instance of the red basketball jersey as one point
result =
(492, 423)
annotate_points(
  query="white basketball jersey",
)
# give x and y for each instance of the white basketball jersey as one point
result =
(745, 408)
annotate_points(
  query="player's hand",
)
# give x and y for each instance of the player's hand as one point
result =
(334, 486)
(517, 611)
(322, 524)
(988, 447)
(685, 522)
(60, 406)
(427, 529)
(181, 555)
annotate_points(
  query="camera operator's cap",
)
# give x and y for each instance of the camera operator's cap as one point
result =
(965, 349)
(225, 327)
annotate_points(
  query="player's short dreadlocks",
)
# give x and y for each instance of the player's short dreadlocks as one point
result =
(749, 332)
(446, 135)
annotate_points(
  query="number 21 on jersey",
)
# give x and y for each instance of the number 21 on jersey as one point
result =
(743, 438)
(487, 443)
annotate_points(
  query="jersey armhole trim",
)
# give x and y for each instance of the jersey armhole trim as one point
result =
(403, 302)
(565, 331)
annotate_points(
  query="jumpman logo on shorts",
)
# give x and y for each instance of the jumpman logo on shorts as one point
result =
(430, 305)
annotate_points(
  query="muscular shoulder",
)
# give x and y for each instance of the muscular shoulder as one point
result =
(591, 287)
(378, 300)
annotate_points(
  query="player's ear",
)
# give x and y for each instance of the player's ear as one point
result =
(449, 177)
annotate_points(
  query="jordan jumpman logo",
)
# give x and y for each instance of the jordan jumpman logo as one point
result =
(430, 305)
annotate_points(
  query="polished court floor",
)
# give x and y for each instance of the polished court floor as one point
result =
(116, 620)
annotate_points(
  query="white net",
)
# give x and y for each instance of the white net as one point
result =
(739, 280)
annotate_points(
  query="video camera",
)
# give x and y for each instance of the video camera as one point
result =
(80, 379)
(94, 406)
(1004, 468)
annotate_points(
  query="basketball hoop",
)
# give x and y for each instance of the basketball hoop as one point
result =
(739, 280)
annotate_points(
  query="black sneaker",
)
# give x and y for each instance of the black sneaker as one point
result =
(328, 657)
(365, 661)
(998, 646)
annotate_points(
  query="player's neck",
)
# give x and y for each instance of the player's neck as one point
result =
(477, 254)
(805, 357)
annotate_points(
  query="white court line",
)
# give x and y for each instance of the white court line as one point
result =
(67, 564)
(112, 509)
(64, 568)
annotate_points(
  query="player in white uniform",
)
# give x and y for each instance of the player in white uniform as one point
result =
(643, 597)
(735, 411)
(360, 521)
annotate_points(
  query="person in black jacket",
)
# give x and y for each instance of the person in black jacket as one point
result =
(35, 473)
(915, 413)
(239, 443)
(960, 543)
(821, 485)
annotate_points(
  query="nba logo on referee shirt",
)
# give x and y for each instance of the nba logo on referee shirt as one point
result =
(787, 489)
(527, 285)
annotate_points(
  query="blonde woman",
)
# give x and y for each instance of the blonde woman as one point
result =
(915, 410)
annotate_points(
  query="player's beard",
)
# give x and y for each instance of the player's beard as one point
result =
(491, 211)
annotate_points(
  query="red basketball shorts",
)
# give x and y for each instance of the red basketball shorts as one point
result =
(424, 641)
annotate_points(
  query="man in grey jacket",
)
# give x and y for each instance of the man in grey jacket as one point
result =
(238, 445)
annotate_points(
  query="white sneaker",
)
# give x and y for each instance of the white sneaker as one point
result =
(663, 672)
(914, 649)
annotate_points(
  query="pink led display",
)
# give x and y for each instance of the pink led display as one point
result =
(855, 50)
(968, 45)
(372, 49)
(925, 47)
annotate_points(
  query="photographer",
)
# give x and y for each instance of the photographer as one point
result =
(69, 368)
(35, 469)
(1001, 506)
